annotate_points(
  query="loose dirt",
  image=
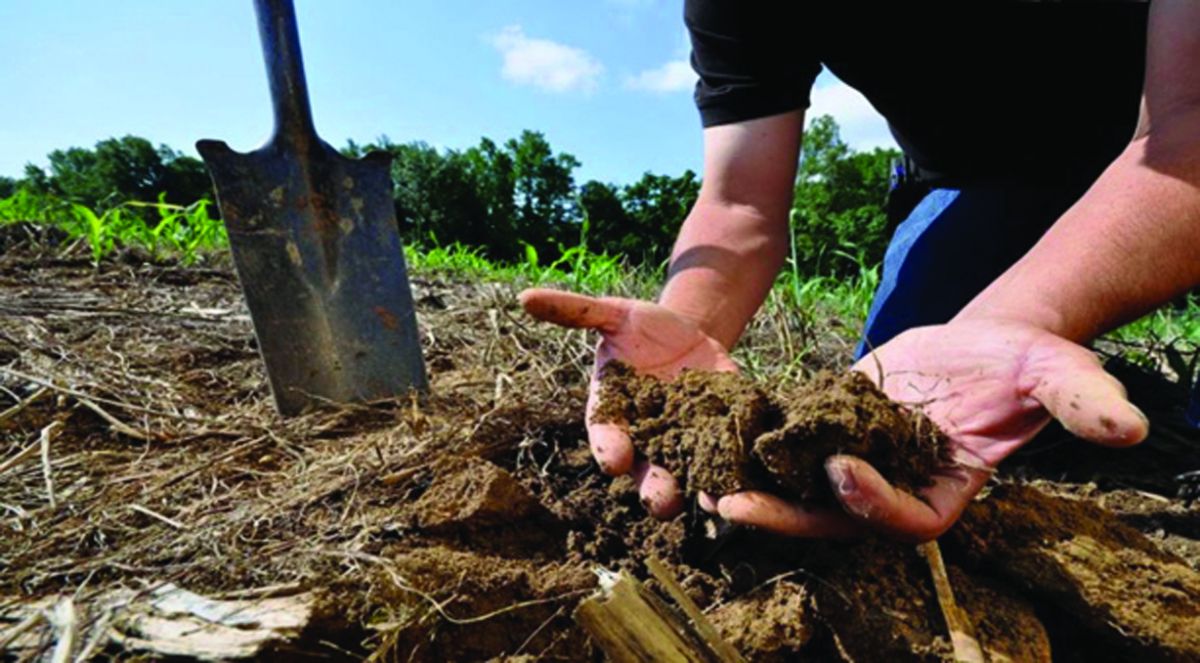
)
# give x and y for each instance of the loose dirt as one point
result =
(466, 525)
(722, 432)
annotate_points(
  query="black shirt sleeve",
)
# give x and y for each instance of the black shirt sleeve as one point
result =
(750, 57)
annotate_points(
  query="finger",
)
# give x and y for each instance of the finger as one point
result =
(658, 490)
(1089, 402)
(610, 443)
(773, 514)
(870, 500)
(571, 310)
(707, 502)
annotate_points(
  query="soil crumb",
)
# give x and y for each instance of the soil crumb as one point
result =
(775, 622)
(722, 433)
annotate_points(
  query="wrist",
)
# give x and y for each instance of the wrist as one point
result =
(1028, 312)
(699, 303)
(724, 264)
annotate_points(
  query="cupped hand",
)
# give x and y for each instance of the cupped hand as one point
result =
(652, 340)
(991, 385)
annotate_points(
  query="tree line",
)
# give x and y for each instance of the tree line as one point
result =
(507, 198)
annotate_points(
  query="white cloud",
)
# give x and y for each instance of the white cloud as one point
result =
(674, 76)
(545, 64)
(862, 127)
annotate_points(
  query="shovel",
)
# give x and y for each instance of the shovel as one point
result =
(315, 243)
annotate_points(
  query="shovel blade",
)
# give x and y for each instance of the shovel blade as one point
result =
(315, 242)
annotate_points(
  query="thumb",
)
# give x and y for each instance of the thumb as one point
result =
(1090, 403)
(572, 310)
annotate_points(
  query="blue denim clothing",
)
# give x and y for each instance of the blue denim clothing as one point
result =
(952, 245)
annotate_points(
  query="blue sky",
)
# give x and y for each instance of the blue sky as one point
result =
(605, 80)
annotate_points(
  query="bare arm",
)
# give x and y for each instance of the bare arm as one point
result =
(1133, 241)
(735, 239)
(728, 253)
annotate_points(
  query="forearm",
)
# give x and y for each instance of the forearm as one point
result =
(725, 260)
(1133, 241)
(735, 239)
(1130, 244)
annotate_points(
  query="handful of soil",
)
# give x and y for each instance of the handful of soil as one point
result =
(722, 433)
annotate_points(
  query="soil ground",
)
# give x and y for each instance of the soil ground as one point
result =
(467, 525)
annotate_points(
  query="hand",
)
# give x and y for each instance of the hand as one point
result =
(991, 385)
(652, 340)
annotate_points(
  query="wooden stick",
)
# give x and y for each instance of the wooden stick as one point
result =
(113, 422)
(631, 624)
(157, 516)
(28, 622)
(662, 575)
(44, 441)
(66, 630)
(20, 457)
(962, 632)
(20, 407)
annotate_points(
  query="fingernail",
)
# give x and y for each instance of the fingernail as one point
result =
(725, 511)
(1138, 411)
(842, 477)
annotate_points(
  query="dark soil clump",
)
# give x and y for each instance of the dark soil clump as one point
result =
(722, 433)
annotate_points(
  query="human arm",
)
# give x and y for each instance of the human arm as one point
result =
(1132, 241)
(725, 259)
(733, 243)
(997, 373)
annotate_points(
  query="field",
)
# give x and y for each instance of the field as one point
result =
(155, 505)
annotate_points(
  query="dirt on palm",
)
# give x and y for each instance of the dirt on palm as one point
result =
(722, 432)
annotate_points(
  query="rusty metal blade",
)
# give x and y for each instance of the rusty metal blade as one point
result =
(315, 242)
(319, 258)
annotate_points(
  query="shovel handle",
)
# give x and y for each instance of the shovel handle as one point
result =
(285, 71)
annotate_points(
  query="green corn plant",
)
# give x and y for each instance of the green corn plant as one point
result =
(95, 228)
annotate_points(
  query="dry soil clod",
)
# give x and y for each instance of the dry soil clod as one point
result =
(721, 432)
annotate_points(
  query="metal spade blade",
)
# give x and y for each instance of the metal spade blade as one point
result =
(315, 242)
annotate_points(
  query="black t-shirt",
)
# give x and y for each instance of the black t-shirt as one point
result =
(1030, 91)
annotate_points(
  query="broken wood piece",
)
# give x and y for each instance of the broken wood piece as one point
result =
(44, 441)
(958, 623)
(176, 622)
(168, 621)
(631, 624)
(66, 630)
(663, 576)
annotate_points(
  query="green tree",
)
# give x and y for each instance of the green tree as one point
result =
(838, 217)
(657, 205)
(186, 179)
(489, 196)
(119, 170)
(610, 226)
(544, 186)
(492, 170)
(8, 186)
(436, 199)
